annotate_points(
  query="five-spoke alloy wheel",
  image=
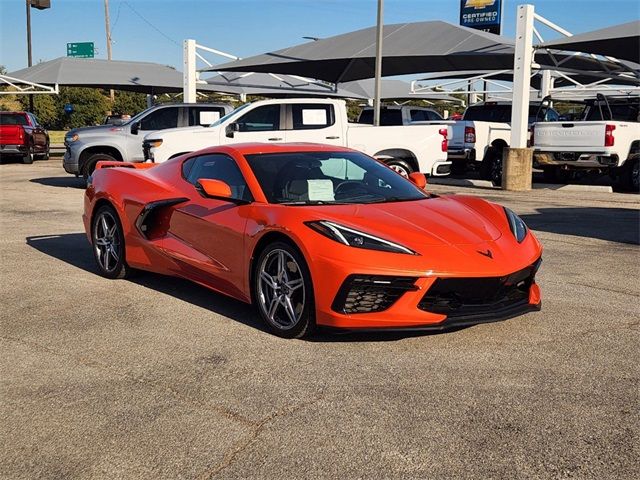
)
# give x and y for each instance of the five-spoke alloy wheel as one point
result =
(108, 243)
(283, 291)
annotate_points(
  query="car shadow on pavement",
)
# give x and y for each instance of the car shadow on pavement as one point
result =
(74, 249)
(64, 182)
(621, 225)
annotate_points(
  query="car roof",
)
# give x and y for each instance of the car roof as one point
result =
(257, 148)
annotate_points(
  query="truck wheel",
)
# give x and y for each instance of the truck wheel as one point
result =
(491, 167)
(90, 164)
(27, 158)
(630, 174)
(399, 166)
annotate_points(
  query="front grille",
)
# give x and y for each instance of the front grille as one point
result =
(478, 297)
(371, 293)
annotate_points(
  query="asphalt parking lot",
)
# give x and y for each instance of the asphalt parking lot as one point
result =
(159, 378)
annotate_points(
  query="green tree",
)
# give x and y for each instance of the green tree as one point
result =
(90, 105)
(45, 107)
(129, 103)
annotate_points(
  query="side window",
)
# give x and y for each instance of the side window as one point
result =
(419, 115)
(217, 167)
(161, 119)
(261, 119)
(433, 116)
(309, 116)
(204, 115)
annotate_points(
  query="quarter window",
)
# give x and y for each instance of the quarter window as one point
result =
(204, 115)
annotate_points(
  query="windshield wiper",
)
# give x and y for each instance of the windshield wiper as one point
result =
(313, 202)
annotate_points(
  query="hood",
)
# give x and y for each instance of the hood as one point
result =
(95, 129)
(442, 221)
(162, 134)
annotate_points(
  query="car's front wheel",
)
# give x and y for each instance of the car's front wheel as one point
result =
(108, 243)
(283, 291)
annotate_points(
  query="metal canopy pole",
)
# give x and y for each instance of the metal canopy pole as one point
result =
(376, 92)
(29, 58)
(189, 72)
(517, 158)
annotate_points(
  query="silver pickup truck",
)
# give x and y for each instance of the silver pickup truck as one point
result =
(87, 146)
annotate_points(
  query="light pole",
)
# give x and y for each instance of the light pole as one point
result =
(40, 5)
(107, 27)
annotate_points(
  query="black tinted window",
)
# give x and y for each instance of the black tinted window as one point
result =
(13, 119)
(260, 119)
(161, 119)
(624, 112)
(489, 113)
(309, 116)
(217, 167)
(204, 115)
(388, 117)
(419, 115)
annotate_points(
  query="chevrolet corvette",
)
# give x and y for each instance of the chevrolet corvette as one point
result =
(314, 235)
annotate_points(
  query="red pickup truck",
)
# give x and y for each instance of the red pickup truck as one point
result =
(21, 135)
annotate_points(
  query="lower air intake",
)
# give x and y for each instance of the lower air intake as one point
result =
(368, 293)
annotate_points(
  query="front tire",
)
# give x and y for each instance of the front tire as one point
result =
(107, 238)
(283, 291)
(491, 167)
(90, 164)
(630, 174)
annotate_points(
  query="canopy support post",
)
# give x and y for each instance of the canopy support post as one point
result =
(189, 71)
(376, 92)
(517, 159)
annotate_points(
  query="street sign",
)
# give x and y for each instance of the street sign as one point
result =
(485, 15)
(80, 50)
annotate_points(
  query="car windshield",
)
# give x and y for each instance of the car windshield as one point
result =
(318, 178)
(224, 119)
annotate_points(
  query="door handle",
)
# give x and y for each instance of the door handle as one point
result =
(274, 139)
(334, 137)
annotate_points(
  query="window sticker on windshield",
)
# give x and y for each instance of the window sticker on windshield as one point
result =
(320, 190)
(314, 116)
(207, 118)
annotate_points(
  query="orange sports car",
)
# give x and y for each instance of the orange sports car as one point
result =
(314, 235)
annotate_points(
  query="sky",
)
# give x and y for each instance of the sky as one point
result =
(153, 30)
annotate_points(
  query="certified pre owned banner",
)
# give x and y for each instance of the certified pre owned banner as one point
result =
(481, 14)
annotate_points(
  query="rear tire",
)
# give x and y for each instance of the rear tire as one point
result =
(399, 166)
(27, 158)
(282, 291)
(491, 166)
(90, 164)
(107, 238)
(630, 174)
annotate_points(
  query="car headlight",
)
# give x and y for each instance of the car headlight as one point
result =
(355, 238)
(71, 138)
(517, 225)
(154, 143)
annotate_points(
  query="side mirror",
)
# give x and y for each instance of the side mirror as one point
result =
(231, 129)
(214, 188)
(418, 179)
(135, 128)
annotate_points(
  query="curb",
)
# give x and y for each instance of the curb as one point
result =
(463, 182)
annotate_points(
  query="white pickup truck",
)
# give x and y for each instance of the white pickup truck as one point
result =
(607, 138)
(405, 149)
(484, 131)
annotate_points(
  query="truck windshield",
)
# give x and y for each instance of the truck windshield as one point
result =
(13, 119)
(326, 178)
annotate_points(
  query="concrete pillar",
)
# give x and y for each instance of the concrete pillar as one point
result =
(517, 169)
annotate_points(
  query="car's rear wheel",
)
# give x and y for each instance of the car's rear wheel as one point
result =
(108, 243)
(90, 164)
(283, 291)
(630, 174)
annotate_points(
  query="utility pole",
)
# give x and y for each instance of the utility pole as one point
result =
(107, 27)
(377, 89)
(29, 58)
